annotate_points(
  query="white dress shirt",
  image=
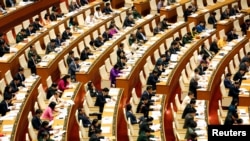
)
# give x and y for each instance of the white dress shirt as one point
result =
(98, 14)
(90, 20)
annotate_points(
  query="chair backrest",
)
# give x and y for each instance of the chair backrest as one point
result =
(153, 5)
(2, 86)
(49, 81)
(41, 101)
(42, 91)
(52, 34)
(244, 4)
(168, 42)
(26, 53)
(146, 70)
(8, 77)
(236, 60)
(103, 72)
(23, 61)
(150, 64)
(81, 46)
(10, 37)
(147, 30)
(18, 28)
(200, 4)
(89, 99)
(231, 67)
(241, 53)
(76, 52)
(31, 132)
(26, 23)
(36, 106)
(162, 48)
(29, 116)
(135, 97)
(108, 64)
(124, 113)
(180, 12)
(87, 39)
(189, 70)
(46, 40)
(63, 7)
(113, 58)
(80, 19)
(193, 63)
(177, 102)
(183, 31)
(156, 55)
(134, 106)
(86, 108)
(184, 76)
(76, 116)
(61, 28)
(142, 79)
(223, 88)
(62, 67)
(82, 129)
(38, 47)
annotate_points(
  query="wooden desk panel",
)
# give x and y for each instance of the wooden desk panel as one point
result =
(117, 3)
(20, 126)
(7, 21)
(214, 84)
(143, 7)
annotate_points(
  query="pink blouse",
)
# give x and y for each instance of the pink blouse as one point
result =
(47, 114)
(62, 85)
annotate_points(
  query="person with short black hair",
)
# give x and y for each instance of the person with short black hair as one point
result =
(33, 51)
(153, 79)
(225, 14)
(214, 46)
(36, 121)
(145, 136)
(187, 12)
(201, 27)
(29, 30)
(231, 119)
(44, 130)
(59, 40)
(145, 125)
(73, 68)
(130, 116)
(148, 93)
(231, 35)
(92, 90)
(14, 84)
(66, 34)
(97, 136)
(189, 118)
(238, 76)
(191, 130)
(84, 2)
(99, 41)
(36, 25)
(20, 76)
(107, 10)
(189, 107)
(32, 64)
(193, 85)
(101, 99)
(73, 6)
(70, 57)
(4, 105)
(94, 127)
(212, 19)
(64, 83)
(245, 26)
(187, 99)
(140, 35)
(129, 21)
(234, 91)
(98, 13)
(227, 81)
(164, 24)
(84, 118)
(50, 46)
(144, 107)
(51, 90)
(86, 52)
(135, 13)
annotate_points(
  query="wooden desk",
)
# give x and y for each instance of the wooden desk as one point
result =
(171, 12)
(117, 3)
(199, 15)
(172, 83)
(228, 24)
(214, 83)
(143, 7)
(12, 62)
(7, 21)
(21, 122)
(132, 80)
(93, 72)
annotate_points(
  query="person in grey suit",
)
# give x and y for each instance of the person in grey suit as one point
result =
(73, 68)
(51, 46)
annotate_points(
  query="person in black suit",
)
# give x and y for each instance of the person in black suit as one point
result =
(121, 62)
(29, 30)
(212, 19)
(214, 47)
(153, 79)
(106, 36)
(101, 99)
(188, 12)
(140, 36)
(70, 57)
(73, 6)
(245, 26)
(107, 10)
(234, 10)
(83, 117)
(51, 90)
(32, 64)
(50, 46)
(145, 125)
(73, 68)
(189, 118)
(98, 41)
(225, 14)
(164, 24)
(227, 81)
(143, 107)
(85, 54)
(245, 58)
(202, 67)
(59, 40)
(120, 49)
(245, 65)
(231, 119)
(96, 136)
(36, 121)
(66, 34)
(231, 35)
(174, 48)
(189, 107)
(10, 3)
(148, 93)
(8, 93)
(36, 25)
(234, 91)
(193, 85)
(130, 115)
(84, 2)
(14, 84)
(20, 76)
(4, 105)
(3, 49)
(129, 21)
(92, 90)
(157, 29)
(238, 76)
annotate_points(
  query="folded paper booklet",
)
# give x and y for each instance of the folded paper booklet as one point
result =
(105, 129)
(114, 91)
(107, 120)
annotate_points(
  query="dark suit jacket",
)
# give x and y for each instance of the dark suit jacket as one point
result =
(107, 10)
(36, 122)
(120, 64)
(29, 32)
(156, 30)
(152, 80)
(244, 28)
(186, 14)
(234, 92)
(228, 83)
(188, 119)
(85, 120)
(193, 86)
(85, 55)
(201, 70)
(187, 110)
(73, 7)
(20, 77)
(59, 42)
(233, 12)
(3, 108)
(84, 2)
(214, 47)
(224, 16)
(231, 36)
(100, 101)
(106, 36)
(128, 22)
(8, 3)
(66, 35)
(73, 68)
(69, 60)
(32, 65)
(3, 50)
(238, 77)
(139, 36)
(50, 92)
(98, 42)
(36, 26)
(132, 117)
(14, 87)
